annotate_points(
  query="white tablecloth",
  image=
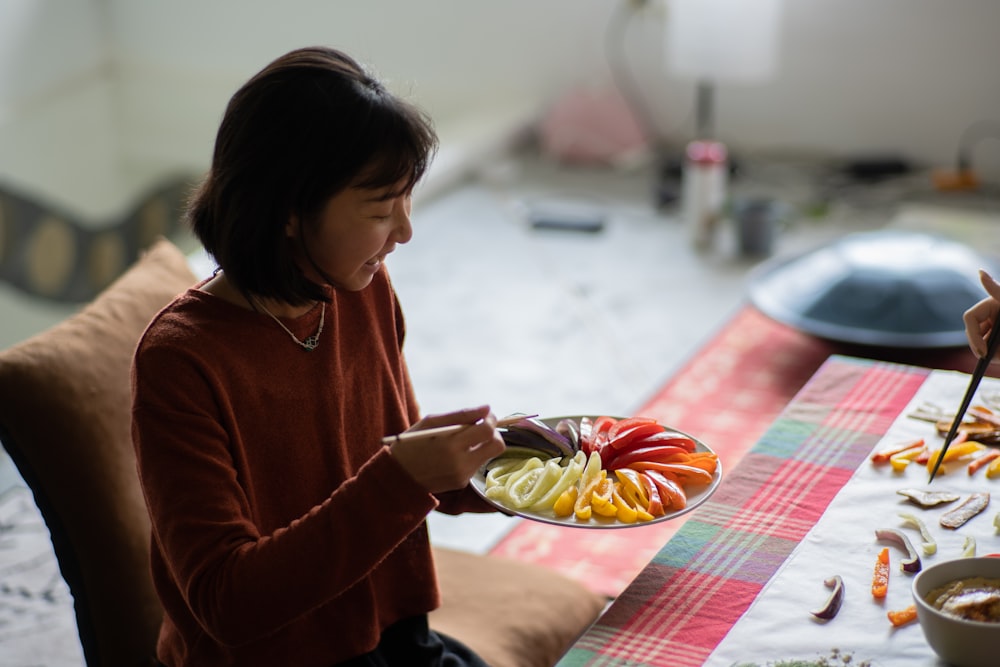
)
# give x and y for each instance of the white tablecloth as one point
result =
(778, 626)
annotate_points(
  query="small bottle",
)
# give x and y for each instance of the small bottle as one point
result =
(704, 183)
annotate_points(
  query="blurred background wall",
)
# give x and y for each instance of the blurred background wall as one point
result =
(100, 100)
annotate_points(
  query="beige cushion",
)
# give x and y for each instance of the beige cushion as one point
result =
(512, 614)
(65, 419)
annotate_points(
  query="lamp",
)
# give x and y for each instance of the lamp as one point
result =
(712, 41)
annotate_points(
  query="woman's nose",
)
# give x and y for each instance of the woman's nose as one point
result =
(404, 229)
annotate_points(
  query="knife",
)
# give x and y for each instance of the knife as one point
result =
(977, 376)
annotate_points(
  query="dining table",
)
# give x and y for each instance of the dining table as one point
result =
(737, 583)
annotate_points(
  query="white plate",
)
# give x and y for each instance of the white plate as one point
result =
(696, 495)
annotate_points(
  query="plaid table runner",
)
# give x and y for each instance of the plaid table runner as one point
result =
(701, 582)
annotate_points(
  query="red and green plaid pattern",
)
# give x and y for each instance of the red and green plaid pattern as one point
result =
(701, 582)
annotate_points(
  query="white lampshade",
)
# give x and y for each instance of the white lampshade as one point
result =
(723, 40)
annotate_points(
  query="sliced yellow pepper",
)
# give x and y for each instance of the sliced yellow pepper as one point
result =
(993, 469)
(902, 459)
(563, 507)
(629, 479)
(625, 512)
(955, 451)
(601, 500)
(583, 507)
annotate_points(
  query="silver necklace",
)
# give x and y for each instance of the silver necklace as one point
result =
(310, 343)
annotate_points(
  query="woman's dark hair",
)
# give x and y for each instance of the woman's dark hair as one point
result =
(307, 126)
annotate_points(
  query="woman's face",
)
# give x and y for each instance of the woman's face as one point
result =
(354, 232)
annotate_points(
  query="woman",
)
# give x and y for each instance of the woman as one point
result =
(283, 531)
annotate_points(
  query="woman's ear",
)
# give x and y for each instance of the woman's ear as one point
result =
(293, 226)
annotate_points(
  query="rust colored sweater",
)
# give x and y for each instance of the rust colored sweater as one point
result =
(283, 532)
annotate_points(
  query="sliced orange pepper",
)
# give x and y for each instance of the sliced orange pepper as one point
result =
(980, 461)
(880, 578)
(884, 455)
(903, 616)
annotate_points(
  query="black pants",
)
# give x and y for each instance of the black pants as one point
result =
(411, 643)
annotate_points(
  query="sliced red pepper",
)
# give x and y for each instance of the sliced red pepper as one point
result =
(628, 423)
(669, 490)
(683, 473)
(658, 439)
(634, 436)
(586, 435)
(599, 435)
(660, 453)
(656, 507)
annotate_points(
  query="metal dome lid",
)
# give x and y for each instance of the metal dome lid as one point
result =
(887, 288)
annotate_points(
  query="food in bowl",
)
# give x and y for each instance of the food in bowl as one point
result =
(971, 598)
(959, 641)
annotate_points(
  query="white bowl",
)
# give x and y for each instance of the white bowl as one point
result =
(957, 641)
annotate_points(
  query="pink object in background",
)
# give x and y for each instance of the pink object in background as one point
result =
(592, 126)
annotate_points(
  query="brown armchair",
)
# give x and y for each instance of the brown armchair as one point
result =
(64, 420)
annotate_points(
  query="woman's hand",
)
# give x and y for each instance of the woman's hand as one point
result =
(447, 462)
(979, 319)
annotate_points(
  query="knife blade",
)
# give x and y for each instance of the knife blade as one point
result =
(977, 376)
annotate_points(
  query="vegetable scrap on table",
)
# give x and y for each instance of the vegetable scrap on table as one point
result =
(836, 658)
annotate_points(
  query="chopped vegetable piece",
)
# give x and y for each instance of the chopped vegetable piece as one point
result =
(601, 499)
(903, 616)
(530, 488)
(582, 508)
(993, 469)
(928, 545)
(571, 473)
(880, 578)
(687, 474)
(957, 450)
(884, 455)
(972, 506)
(656, 506)
(901, 460)
(980, 461)
(929, 498)
(969, 547)
(909, 564)
(832, 606)
(564, 505)
(626, 513)
(670, 491)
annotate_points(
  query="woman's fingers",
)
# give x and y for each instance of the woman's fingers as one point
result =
(979, 319)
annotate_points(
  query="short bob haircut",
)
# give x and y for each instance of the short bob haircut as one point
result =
(306, 127)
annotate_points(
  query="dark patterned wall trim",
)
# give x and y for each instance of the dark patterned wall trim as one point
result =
(49, 253)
